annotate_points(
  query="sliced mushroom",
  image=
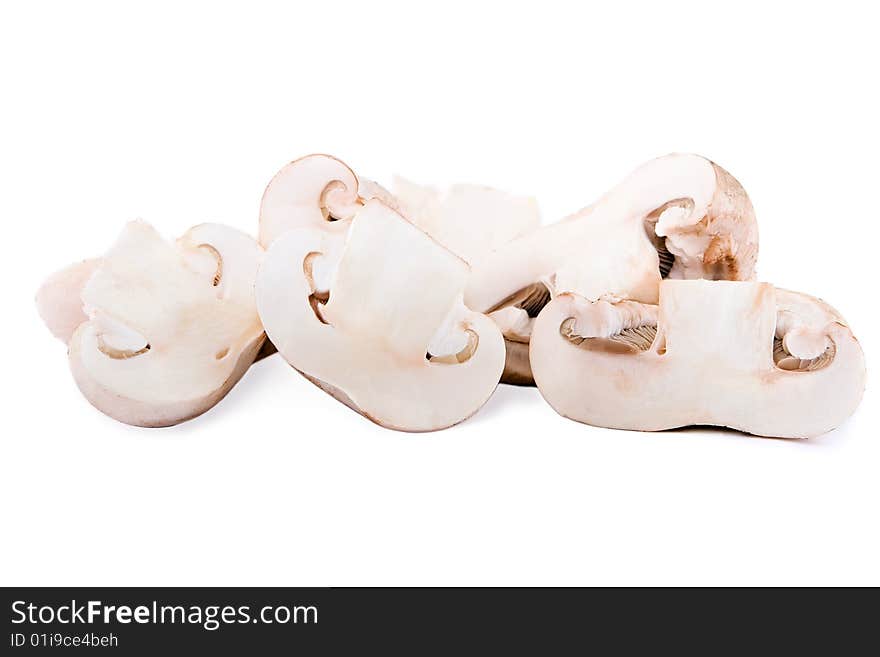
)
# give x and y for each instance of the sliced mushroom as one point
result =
(735, 354)
(322, 192)
(390, 336)
(469, 220)
(473, 221)
(319, 192)
(164, 329)
(316, 191)
(679, 216)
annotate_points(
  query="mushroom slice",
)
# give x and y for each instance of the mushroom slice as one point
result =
(469, 220)
(679, 216)
(735, 354)
(322, 192)
(473, 221)
(316, 191)
(167, 328)
(392, 339)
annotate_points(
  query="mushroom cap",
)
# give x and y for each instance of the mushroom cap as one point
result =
(315, 190)
(680, 216)
(171, 326)
(394, 293)
(689, 204)
(711, 361)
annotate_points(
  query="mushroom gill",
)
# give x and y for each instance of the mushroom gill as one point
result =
(626, 341)
(640, 338)
(786, 361)
(531, 299)
(666, 258)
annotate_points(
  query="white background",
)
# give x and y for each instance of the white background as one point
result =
(181, 114)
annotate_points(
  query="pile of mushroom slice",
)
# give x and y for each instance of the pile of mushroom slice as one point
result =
(640, 311)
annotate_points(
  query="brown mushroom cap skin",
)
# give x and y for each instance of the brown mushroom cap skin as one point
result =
(517, 368)
(724, 244)
(711, 362)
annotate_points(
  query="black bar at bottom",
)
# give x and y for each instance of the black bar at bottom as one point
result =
(415, 621)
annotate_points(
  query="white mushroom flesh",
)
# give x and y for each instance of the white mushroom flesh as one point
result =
(711, 353)
(393, 339)
(170, 327)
